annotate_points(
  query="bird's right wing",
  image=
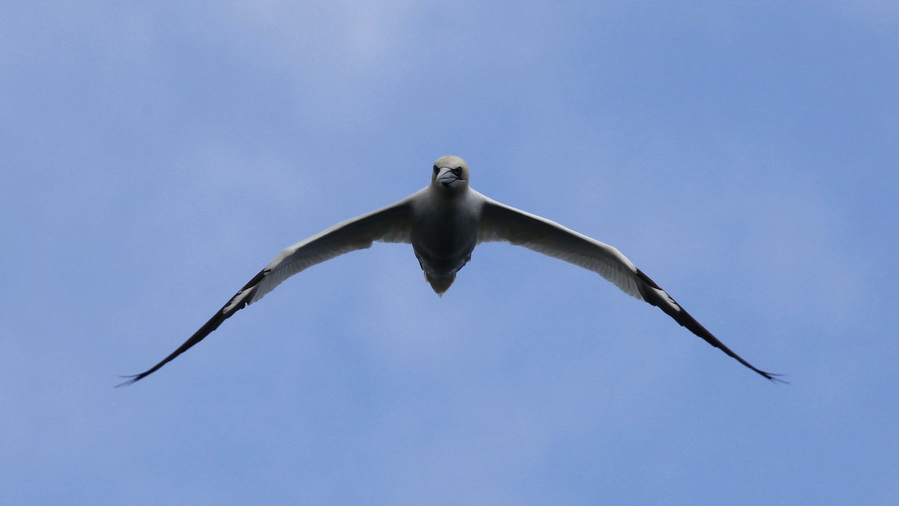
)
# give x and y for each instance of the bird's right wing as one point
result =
(390, 224)
(500, 222)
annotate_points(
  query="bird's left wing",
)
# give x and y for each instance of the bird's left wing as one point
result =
(390, 224)
(500, 222)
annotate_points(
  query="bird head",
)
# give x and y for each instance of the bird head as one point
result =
(450, 173)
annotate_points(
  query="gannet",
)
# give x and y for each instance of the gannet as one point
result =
(444, 222)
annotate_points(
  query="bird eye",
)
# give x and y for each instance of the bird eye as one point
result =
(435, 169)
(457, 171)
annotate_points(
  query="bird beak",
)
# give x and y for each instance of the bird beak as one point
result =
(446, 177)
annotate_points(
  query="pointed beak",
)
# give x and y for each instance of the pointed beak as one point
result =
(446, 177)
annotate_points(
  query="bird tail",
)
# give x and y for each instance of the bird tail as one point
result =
(440, 284)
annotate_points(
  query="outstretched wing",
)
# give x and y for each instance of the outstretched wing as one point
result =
(390, 224)
(500, 222)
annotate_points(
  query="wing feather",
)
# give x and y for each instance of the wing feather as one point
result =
(500, 222)
(390, 224)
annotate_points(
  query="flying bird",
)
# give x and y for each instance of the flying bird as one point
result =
(444, 222)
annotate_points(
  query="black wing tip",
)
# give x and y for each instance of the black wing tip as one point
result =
(773, 378)
(130, 380)
(770, 376)
(198, 336)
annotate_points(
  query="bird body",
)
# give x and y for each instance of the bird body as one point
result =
(444, 222)
(444, 233)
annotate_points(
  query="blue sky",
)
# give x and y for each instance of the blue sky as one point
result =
(154, 156)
